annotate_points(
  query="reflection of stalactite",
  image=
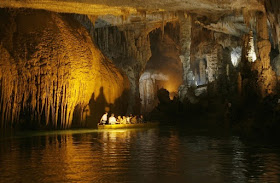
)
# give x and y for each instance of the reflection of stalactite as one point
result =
(58, 69)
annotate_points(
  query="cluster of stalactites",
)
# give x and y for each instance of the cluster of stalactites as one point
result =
(273, 14)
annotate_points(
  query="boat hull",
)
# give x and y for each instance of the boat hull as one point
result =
(121, 126)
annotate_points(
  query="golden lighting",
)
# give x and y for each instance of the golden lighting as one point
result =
(172, 88)
(75, 71)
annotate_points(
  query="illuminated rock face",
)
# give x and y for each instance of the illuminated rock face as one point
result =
(266, 76)
(51, 68)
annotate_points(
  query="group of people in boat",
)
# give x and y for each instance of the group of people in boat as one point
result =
(120, 120)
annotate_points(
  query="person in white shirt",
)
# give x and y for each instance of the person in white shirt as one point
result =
(112, 120)
(104, 118)
(128, 120)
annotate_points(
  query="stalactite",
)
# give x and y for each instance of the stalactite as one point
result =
(130, 52)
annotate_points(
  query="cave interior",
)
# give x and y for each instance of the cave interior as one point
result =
(64, 63)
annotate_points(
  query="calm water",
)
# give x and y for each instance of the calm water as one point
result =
(147, 155)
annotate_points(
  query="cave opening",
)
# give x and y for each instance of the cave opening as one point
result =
(163, 69)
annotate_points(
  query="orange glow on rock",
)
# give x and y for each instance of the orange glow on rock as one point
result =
(53, 67)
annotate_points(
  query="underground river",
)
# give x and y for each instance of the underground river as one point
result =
(165, 154)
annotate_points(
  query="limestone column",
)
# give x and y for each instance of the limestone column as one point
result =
(185, 40)
(266, 76)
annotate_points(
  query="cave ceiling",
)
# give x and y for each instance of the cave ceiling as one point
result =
(210, 8)
(225, 16)
(119, 7)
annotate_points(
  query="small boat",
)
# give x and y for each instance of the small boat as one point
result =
(136, 125)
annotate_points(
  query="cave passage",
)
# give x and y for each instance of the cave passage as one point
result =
(163, 70)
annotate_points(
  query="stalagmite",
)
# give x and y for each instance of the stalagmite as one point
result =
(202, 72)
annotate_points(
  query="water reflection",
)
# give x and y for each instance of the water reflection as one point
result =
(149, 155)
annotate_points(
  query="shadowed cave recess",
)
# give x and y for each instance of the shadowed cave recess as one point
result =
(63, 65)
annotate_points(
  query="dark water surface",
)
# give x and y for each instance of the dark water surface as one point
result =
(145, 155)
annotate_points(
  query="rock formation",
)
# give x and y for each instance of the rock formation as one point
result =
(266, 76)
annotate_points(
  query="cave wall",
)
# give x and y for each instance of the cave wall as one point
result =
(50, 68)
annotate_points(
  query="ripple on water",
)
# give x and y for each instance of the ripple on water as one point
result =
(150, 155)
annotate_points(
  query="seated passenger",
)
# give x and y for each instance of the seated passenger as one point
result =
(103, 119)
(134, 120)
(123, 120)
(119, 120)
(112, 120)
(140, 119)
(128, 119)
